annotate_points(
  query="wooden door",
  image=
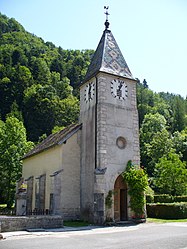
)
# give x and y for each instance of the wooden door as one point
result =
(120, 199)
(123, 204)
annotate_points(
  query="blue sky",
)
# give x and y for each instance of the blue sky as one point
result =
(152, 34)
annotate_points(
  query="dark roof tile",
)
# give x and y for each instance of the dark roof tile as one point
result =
(108, 58)
(54, 139)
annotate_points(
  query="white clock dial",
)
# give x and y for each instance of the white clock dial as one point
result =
(89, 92)
(119, 89)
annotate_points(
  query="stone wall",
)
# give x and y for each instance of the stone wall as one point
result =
(56, 179)
(9, 224)
(110, 138)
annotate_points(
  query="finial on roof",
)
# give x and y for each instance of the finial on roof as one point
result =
(107, 14)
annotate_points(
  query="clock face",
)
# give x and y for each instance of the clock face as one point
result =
(89, 92)
(119, 89)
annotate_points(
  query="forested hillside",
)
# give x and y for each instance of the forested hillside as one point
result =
(39, 94)
(38, 81)
(163, 134)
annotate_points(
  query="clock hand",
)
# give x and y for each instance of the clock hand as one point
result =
(89, 91)
(120, 86)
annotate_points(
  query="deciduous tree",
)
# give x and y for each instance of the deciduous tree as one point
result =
(171, 175)
(13, 145)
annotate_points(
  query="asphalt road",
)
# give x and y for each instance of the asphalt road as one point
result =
(144, 236)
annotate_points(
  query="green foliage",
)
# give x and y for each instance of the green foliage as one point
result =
(180, 144)
(144, 100)
(178, 113)
(171, 175)
(39, 86)
(155, 141)
(163, 125)
(163, 198)
(40, 78)
(149, 199)
(34, 83)
(108, 199)
(13, 145)
(182, 198)
(167, 210)
(138, 182)
(149, 193)
(155, 220)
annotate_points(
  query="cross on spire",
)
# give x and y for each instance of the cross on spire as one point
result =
(107, 14)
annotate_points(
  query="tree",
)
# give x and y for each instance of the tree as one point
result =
(13, 145)
(155, 141)
(39, 110)
(15, 112)
(22, 79)
(160, 146)
(162, 107)
(6, 98)
(179, 122)
(67, 111)
(63, 88)
(171, 175)
(180, 144)
(40, 71)
(145, 100)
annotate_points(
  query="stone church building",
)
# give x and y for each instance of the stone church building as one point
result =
(76, 172)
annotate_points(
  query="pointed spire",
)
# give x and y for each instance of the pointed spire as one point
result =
(108, 57)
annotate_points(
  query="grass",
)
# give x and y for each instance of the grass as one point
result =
(2, 205)
(76, 223)
(79, 223)
(6, 211)
(164, 220)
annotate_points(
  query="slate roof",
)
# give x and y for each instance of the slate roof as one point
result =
(54, 139)
(108, 58)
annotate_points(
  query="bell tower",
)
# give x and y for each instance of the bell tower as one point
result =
(110, 134)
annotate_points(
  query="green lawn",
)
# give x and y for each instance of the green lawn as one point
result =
(164, 221)
(149, 220)
(2, 205)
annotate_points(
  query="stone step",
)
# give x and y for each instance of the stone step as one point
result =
(35, 230)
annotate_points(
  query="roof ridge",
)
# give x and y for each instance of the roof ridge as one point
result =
(54, 139)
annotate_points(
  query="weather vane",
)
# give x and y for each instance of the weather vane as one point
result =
(107, 14)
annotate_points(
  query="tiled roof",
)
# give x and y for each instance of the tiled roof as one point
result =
(54, 139)
(108, 58)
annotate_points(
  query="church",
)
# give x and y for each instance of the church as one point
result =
(76, 172)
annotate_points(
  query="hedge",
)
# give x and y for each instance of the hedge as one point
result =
(165, 198)
(167, 210)
(149, 199)
(182, 198)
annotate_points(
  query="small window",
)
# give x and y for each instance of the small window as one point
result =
(121, 142)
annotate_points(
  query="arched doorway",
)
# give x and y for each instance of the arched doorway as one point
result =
(120, 200)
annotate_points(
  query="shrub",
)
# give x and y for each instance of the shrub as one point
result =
(138, 182)
(149, 198)
(167, 210)
(182, 198)
(149, 195)
(164, 198)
